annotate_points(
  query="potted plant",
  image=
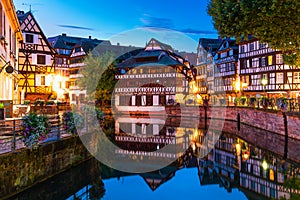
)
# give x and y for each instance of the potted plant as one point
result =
(35, 128)
(2, 113)
(26, 102)
(236, 101)
(252, 101)
(265, 102)
(243, 100)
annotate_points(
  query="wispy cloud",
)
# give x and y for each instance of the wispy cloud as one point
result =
(197, 31)
(75, 27)
(158, 24)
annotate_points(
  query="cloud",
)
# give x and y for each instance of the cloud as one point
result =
(158, 24)
(151, 22)
(75, 27)
(197, 31)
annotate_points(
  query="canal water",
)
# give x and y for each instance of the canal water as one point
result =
(214, 165)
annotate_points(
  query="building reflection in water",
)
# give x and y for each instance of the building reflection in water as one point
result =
(230, 162)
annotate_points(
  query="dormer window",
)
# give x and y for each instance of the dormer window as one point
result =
(77, 49)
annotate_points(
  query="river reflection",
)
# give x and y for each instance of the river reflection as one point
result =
(214, 165)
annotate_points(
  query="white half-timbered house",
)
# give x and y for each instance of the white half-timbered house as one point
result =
(225, 73)
(259, 62)
(205, 66)
(151, 80)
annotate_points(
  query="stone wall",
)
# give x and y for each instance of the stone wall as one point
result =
(268, 120)
(23, 169)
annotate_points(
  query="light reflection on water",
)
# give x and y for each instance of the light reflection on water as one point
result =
(233, 169)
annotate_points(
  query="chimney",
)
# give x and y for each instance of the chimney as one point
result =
(90, 37)
(64, 34)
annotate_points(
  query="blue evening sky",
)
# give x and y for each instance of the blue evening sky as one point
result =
(131, 22)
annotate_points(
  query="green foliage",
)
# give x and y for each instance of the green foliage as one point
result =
(26, 102)
(1, 105)
(272, 21)
(98, 76)
(34, 129)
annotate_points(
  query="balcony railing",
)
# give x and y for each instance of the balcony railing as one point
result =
(132, 76)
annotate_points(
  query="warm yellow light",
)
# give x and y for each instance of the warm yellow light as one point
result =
(238, 149)
(244, 85)
(198, 96)
(272, 176)
(264, 81)
(195, 89)
(237, 85)
(264, 165)
(246, 156)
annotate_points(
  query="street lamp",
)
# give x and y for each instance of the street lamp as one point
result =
(264, 82)
(8, 68)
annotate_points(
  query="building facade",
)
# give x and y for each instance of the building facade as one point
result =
(152, 79)
(70, 59)
(10, 36)
(226, 73)
(36, 61)
(205, 66)
(259, 62)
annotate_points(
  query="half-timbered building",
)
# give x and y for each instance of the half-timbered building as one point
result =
(226, 73)
(10, 36)
(259, 62)
(205, 66)
(152, 79)
(36, 58)
(70, 59)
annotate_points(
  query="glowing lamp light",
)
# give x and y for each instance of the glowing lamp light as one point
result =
(245, 156)
(264, 81)
(265, 165)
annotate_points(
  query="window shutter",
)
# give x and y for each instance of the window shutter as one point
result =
(35, 39)
(34, 59)
(37, 80)
(48, 60)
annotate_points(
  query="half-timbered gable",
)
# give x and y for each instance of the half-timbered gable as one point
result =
(225, 74)
(36, 58)
(260, 62)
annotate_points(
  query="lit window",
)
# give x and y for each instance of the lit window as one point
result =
(278, 59)
(279, 77)
(272, 175)
(296, 77)
(270, 60)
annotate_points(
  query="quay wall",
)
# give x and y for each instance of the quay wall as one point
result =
(24, 168)
(270, 120)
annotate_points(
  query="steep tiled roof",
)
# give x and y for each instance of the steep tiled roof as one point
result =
(151, 58)
(210, 44)
(69, 42)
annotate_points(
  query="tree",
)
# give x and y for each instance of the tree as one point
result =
(98, 76)
(276, 22)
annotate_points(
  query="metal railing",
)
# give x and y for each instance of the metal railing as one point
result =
(11, 138)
